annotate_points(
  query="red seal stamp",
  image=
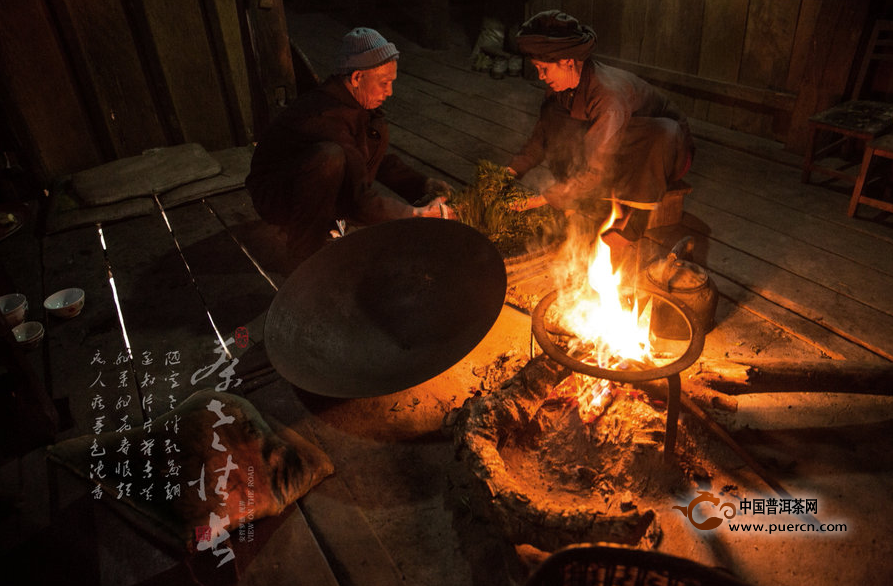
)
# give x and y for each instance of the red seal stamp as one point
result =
(242, 337)
(202, 533)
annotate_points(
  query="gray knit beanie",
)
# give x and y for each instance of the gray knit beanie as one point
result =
(364, 48)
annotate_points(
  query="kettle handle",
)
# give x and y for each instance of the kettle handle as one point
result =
(682, 250)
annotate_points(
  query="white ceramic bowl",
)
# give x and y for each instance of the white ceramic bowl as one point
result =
(13, 308)
(28, 334)
(65, 303)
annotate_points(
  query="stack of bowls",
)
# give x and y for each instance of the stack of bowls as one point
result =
(65, 304)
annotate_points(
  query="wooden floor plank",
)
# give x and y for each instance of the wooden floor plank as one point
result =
(440, 158)
(848, 278)
(772, 315)
(21, 272)
(764, 148)
(447, 136)
(263, 242)
(89, 381)
(424, 168)
(516, 120)
(163, 313)
(354, 549)
(811, 333)
(339, 524)
(829, 237)
(475, 124)
(780, 185)
(515, 95)
(849, 319)
(232, 288)
(294, 553)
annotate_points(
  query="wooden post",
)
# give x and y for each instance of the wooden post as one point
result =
(268, 59)
(674, 393)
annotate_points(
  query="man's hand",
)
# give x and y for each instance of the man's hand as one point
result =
(434, 188)
(436, 209)
(437, 187)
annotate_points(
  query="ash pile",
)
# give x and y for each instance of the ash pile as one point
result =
(548, 473)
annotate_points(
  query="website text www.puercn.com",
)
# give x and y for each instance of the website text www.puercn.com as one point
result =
(788, 527)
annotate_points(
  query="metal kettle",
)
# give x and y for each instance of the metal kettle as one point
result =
(686, 282)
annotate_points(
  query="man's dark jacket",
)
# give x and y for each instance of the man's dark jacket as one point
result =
(329, 113)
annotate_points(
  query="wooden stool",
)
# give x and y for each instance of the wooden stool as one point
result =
(881, 147)
(669, 209)
(858, 119)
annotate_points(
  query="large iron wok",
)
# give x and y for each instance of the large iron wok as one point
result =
(385, 308)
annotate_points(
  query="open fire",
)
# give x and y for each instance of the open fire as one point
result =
(603, 320)
(587, 466)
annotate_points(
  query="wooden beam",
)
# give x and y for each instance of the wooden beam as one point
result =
(732, 92)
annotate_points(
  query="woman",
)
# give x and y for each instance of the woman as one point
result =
(606, 135)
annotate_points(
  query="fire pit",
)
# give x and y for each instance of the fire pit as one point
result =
(670, 371)
(568, 450)
(548, 478)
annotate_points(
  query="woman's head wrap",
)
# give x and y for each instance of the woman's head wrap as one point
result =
(553, 35)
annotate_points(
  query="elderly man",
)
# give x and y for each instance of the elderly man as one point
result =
(316, 162)
(606, 135)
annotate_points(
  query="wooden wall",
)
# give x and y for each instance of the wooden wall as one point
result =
(758, 66)
(82, 83)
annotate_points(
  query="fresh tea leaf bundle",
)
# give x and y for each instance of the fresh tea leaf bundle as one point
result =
(487, 204)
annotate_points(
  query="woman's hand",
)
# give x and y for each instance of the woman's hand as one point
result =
(537, 201)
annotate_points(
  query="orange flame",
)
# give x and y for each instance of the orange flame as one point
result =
(608, 329)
